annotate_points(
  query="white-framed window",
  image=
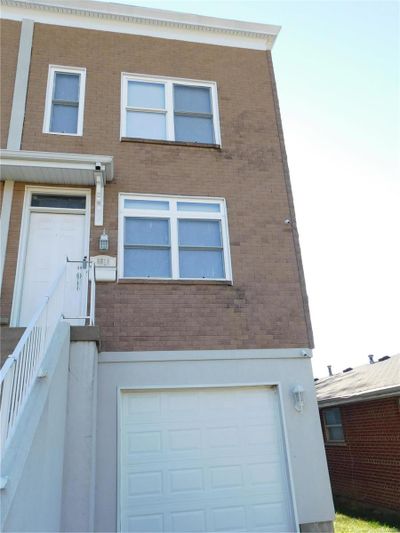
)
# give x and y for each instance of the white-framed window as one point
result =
(65, 99)
(170, 109)
(333, 427)
(173, 238)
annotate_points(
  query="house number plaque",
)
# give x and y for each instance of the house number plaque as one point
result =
(106, 267)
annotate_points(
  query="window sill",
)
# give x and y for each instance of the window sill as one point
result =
(173, 143)
(338, 443)
(176, 281)
(62, 133)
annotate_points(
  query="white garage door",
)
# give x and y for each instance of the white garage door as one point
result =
(203, 460)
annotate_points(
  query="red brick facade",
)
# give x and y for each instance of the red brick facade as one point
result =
(366, 469)
(266, 307)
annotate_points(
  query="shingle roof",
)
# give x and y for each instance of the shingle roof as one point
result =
(372, 380)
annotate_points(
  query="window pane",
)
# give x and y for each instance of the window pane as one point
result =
(66, 87)
(194, 129)
(143, 263)
(152, 231)
(332, 416)
(336, 433)
(147, 204)
(148, 95)
(145, 125)
(199, 233)
(49, 200)
(192, 99)
(201, 264)
(197, 206)
(64, 119)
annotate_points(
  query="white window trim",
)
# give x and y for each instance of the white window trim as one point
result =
(174, 215)
(327, 426)
(169, 104)
(49, 98)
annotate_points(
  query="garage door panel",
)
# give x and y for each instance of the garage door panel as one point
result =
(203, 460)
(144, 406)
(184, 440)
(257, 469)
(161, 441)
(158, 455)
(185, 405)
(151, 523)
(265, 473)
(191, 520)
(230, 514)
(192, 488)
(267, 516)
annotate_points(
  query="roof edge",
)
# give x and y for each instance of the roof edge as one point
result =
(374, 394)
(72, 160)
(190, 27)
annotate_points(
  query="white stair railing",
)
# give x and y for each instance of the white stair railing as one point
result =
(66, 300)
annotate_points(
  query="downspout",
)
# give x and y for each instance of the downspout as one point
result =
(15, 129)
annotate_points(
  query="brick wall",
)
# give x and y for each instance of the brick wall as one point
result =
(12, 250)
(9, 42)
(366, 468)
(265, 308)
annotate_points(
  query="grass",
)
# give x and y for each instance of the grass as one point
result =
(348, 524)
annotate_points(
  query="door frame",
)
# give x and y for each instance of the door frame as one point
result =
(283, 429)
(24, 232)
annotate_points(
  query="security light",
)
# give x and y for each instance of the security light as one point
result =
(298, 397)
(103, 241)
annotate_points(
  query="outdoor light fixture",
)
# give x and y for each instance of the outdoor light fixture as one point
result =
(103, 241)
(298, 397)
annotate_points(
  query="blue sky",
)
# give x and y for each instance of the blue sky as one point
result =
(337, 65)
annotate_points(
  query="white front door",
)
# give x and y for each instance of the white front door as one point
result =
(204, 460)
(51, 238)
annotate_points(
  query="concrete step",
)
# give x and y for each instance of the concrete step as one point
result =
(9, 338)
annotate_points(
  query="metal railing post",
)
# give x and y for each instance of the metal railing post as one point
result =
(92, 294)
(6, 391)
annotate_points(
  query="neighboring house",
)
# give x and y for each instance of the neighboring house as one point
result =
(360, 416)
(146, 195)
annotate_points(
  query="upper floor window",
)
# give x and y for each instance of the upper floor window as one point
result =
(333, 425)
(175, 238)
(169, 109)
(65, 100)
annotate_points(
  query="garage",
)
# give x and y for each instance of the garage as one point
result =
(203, 459)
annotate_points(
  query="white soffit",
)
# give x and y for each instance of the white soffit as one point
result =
(55, 168)
(121, 18)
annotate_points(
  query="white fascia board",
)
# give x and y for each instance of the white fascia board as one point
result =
(150, 22)
(203, 355)
(56, 160)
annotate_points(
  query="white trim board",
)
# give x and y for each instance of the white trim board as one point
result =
(23, 239)
(203, 355)
(135, 20)
(20, 86)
